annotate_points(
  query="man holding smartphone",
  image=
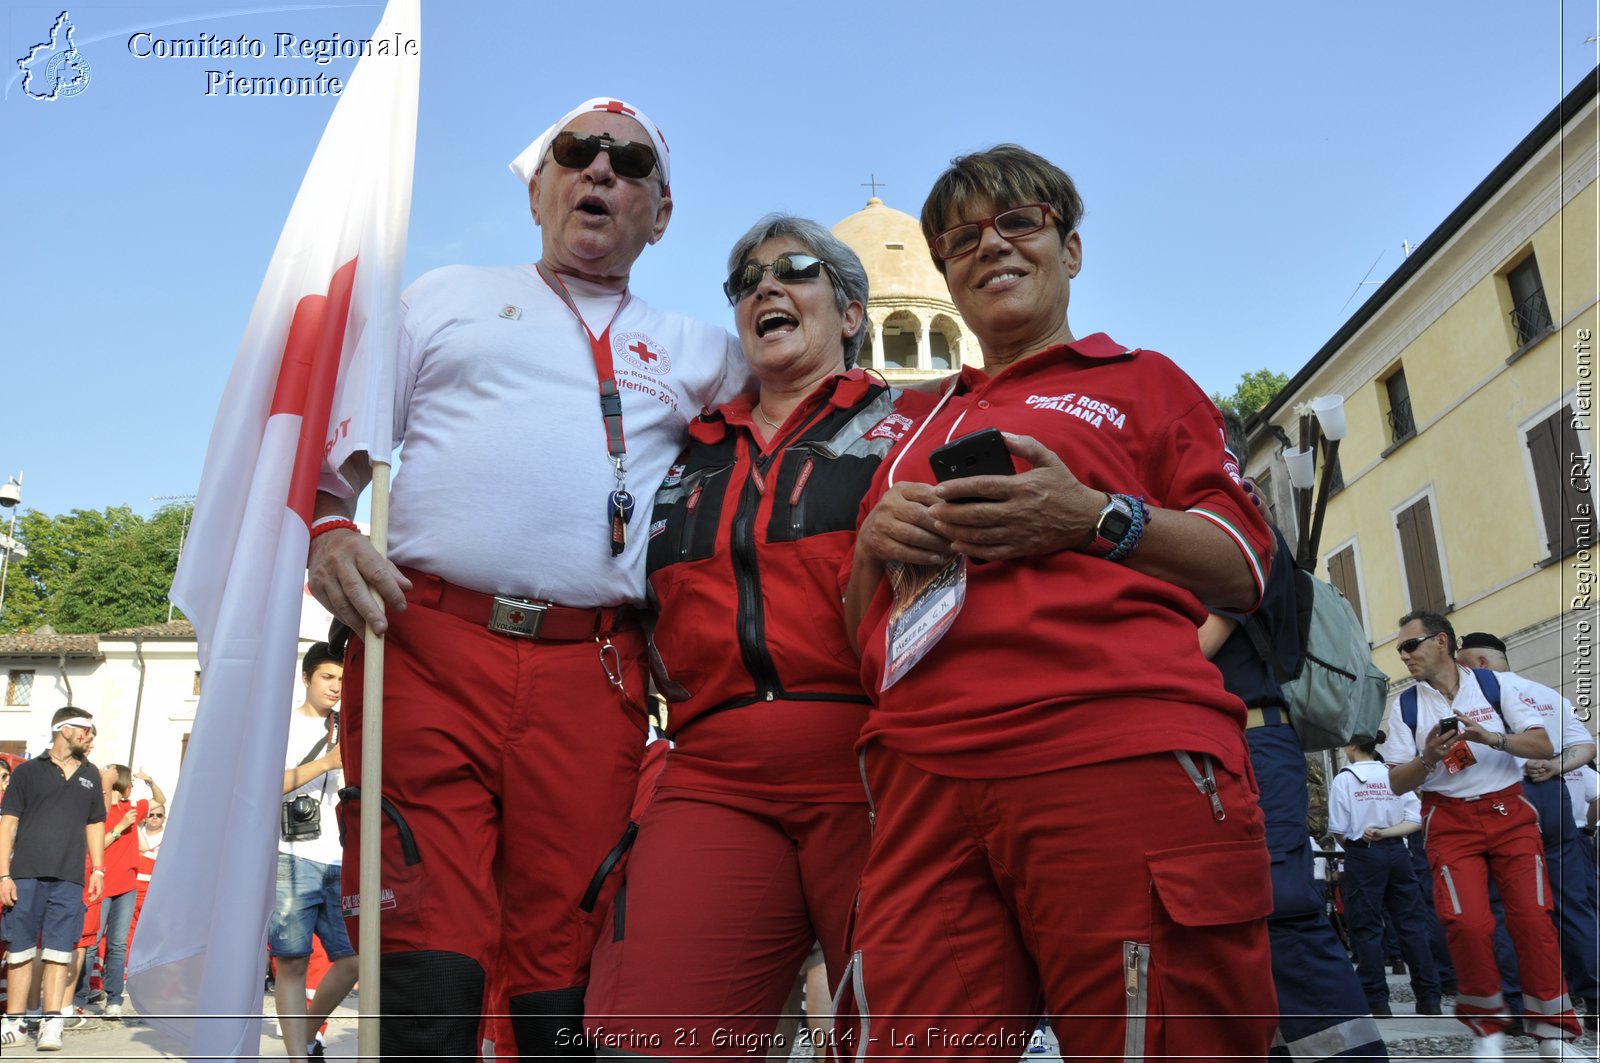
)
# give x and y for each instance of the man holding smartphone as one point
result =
(1570, 865)
(1462, 754)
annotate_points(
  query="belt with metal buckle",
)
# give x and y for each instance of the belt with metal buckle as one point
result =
(1270, 716)
(521, 618)
(1510, 793)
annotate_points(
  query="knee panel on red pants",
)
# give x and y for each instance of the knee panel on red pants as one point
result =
(431, 1002)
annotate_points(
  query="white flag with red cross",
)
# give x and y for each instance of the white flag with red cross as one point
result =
(195, 970)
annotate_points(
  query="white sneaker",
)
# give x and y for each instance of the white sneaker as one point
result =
(50, 1034)
(12, 1030)
(112, 1011)
(1491, 1047)
(75, 1018)
(1556, 1048)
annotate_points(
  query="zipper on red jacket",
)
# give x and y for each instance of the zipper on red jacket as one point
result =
(751, 620)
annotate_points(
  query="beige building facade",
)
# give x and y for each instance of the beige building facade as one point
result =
(1465, 482)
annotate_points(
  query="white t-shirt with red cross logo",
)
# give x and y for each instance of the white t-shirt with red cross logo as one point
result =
(504, 477)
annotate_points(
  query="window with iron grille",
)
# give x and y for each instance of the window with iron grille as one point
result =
(1530, 312)
(1402, 425)
(19, 687)
(1264, 489)
(1335, 476)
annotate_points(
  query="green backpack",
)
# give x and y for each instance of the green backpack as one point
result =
(1336, 694)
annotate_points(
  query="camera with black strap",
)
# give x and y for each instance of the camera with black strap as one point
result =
(302, 814)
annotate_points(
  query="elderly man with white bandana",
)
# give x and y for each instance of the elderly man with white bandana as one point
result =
(535, 402)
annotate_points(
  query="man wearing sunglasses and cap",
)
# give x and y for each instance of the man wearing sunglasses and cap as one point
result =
(1456, 735)
(51, 815)
(536, 402)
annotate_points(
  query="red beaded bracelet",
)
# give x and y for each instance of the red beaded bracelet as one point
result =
(331, 525)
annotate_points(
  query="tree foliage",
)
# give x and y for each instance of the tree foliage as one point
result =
(1256, 388)
(92, 571)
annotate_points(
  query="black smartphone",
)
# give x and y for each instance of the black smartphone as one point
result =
(982, 453)
(1448, 725)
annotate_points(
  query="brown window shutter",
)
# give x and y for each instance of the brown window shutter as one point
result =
(1342, 574)
(1424, 582)
(1574, 497)
(1544, 447)
(1552, 443)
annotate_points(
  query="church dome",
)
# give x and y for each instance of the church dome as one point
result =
(893, 250)
(913, 330)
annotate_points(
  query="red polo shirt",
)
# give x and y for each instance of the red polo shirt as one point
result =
(1068, 659)
(122, 855)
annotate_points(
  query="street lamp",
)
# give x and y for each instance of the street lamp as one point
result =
(10, 496)
(1327, 412)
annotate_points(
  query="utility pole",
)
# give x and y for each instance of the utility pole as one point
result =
(183, 533)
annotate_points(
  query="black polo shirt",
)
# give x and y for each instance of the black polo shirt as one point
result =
(52, 812)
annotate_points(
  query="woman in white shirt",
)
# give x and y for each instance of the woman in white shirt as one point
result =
(1371, 821)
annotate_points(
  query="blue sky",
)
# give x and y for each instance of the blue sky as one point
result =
(1243, 165)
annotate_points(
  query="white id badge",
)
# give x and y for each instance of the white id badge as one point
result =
(927, 599)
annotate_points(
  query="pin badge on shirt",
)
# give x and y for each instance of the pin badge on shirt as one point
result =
(510, 313)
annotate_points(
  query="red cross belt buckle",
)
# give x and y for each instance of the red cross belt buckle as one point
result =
(517, 617)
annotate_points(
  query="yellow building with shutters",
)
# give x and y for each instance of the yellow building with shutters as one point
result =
(1465, 482)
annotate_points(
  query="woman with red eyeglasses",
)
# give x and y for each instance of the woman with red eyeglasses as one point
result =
(1064, 812)
(750, 849)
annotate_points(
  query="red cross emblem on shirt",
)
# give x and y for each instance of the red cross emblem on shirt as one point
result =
(639, 350)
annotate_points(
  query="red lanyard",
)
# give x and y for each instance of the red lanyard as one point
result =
(620, 505)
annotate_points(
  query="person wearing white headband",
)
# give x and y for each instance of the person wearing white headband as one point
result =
(536, 402)
(52, 815)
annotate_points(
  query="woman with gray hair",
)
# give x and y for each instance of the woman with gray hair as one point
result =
(751, 846)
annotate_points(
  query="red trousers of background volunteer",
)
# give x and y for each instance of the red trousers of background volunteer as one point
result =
(1467, 841)
(704, 967)
(1109, 895)
(512, 762)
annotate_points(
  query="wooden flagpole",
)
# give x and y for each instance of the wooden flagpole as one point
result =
(371, 887)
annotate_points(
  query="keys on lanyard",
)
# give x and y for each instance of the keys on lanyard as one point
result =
(619, 503)
(619, 510)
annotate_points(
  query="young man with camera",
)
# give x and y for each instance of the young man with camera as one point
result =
(309, 858)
